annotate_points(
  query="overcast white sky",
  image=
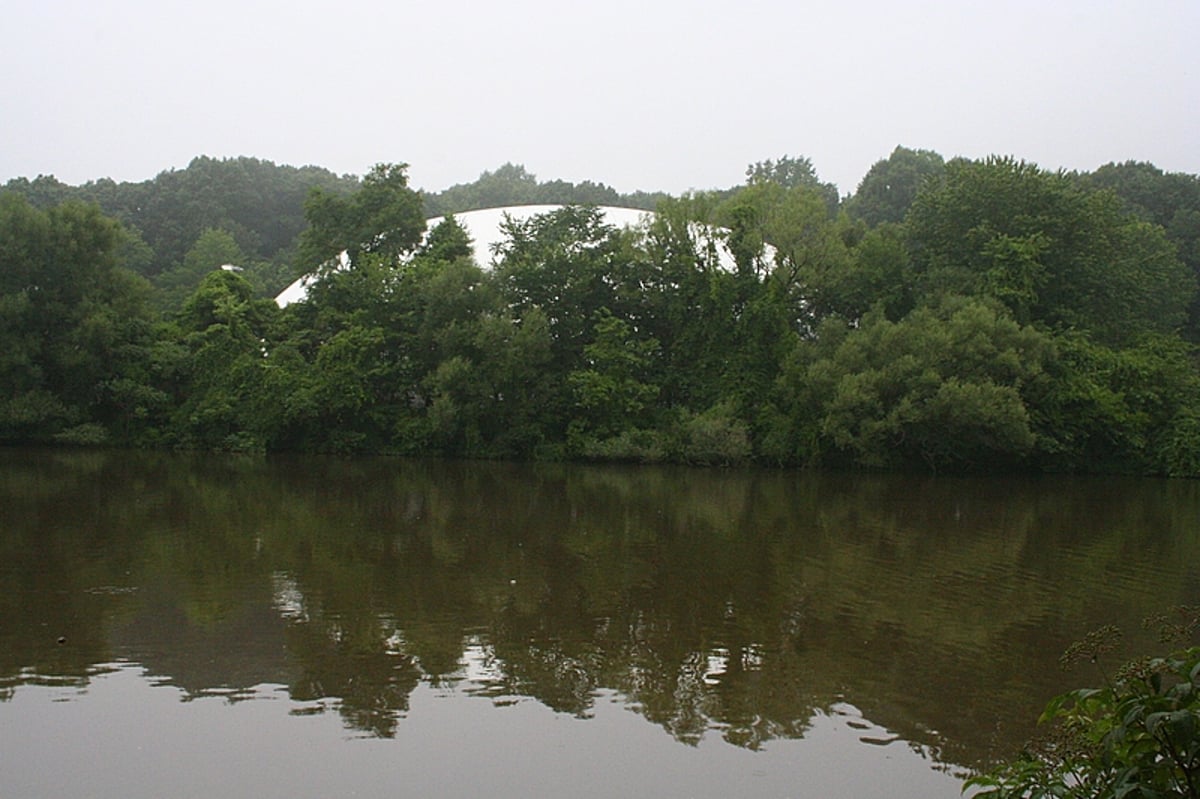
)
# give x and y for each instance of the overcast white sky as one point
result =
(653, 94)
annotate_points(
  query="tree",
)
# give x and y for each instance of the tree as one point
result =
(384, 217)
(510, 184)
(943, 387)
(566, 265)
(878, 276)
(73, 324)
(1131, 409)
(891, 185)
(513, 184)
(224, 329)
(612, 388)
(351, 356)
(258, 202)
(1170, 200)
(213, 249)
(788, 251)
(43, 192)
(418, 354)
(447, 241)
(678, 271)
(1147, 191)
(799, 250)
(565, 262)
(1052, 252)
(791, 173)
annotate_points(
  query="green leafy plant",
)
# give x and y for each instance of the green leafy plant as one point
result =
(1138, 736)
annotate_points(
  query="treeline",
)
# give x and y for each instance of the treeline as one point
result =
(249, 213)
(186, 222)
(961, 315)
(512, 184)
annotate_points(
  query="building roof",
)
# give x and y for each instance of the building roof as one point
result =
(484, 228)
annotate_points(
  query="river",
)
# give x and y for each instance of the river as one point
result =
(227, 626)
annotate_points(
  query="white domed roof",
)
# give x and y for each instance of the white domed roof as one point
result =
(484, 228)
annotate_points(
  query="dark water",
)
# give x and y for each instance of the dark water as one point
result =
(207, 626)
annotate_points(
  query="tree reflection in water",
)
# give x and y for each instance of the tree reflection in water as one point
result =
(742, 604)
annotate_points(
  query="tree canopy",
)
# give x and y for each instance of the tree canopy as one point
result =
(949, 316)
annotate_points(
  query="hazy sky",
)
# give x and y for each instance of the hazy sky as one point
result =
(654, 94)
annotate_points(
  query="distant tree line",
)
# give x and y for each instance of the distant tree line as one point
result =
(247, 212)
(950, 316)
(512, 184)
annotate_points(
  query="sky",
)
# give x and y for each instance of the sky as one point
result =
(654, 95)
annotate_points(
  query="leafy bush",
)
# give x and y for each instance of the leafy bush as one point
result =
(1181, 450)
(1139, 736)
(83, 435)
(632, 446)
(713, 438)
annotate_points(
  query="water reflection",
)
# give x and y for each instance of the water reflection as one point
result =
(749, 606)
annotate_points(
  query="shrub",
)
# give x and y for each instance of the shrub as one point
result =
(1139, 736)
(83, 435)
(713, 438)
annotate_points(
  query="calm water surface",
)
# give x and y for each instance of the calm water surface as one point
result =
(240, 627)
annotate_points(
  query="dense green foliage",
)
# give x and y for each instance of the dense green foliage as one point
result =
(76, 339)
(512, 184)
(257, 205)
(970, 315)
(890, 187)
(259, 210)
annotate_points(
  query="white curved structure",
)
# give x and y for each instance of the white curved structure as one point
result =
(483, 227)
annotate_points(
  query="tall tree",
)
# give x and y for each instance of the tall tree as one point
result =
(678, 269)
(890, 186)
(566, 266)
(613, 386)
(224, 329)
(1051, 251)
(513, 184)
(73, 324)
(790, 172)
(562, 262)
(384, 217)
(213, 249)
(1168, 199)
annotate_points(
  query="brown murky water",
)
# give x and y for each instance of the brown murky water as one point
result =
(176, 625)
